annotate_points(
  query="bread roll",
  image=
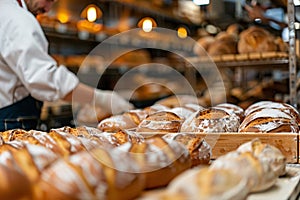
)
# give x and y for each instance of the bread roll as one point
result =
(160, 161)
(199, 149)
(256, 39)
(211, 120)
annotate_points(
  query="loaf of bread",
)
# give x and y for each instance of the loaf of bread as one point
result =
(266, 153)
(224, 43)
(284, 107)
(269, 120)
(211, 120)
(14, 184)
(256, 39)
(178, 101)
(116, 123)
(259, 174)
(160, 122)
(204, 184)
(199, 149)
(232, 108)
(160, 161)
(98, 174)
(207, 183)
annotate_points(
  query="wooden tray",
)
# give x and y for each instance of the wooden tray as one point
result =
(222, 143)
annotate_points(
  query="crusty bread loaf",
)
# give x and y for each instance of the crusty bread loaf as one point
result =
(211, 120)
(160, 161)
(269, 120)
(203, 184)
(116, 123)
(284, 107)
(207, 183)
(99, 174)
(199, 149)
(266, 153)
(259, 174)
(14, 184)
(256, 39)
(232, 108)
(160, 122)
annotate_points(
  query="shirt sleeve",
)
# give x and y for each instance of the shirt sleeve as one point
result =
(26, 53)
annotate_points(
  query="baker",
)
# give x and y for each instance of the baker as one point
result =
(29, 75)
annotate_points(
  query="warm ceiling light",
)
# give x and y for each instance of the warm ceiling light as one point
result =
(182, 32)
(63, 17)
(147, 24)
(91, 13)
(201, 2)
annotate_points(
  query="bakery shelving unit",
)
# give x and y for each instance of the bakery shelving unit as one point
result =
(265, 61)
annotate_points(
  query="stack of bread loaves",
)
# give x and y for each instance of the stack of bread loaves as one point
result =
(85, 163)
(267, 116)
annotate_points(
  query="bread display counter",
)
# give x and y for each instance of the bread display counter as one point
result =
(173, 146)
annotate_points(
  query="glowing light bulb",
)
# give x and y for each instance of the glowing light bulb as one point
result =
(182, 32)
(147, 25)
(91, 14)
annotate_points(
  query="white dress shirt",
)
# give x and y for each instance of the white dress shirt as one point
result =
(25, 66)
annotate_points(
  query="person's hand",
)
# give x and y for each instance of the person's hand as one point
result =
(111, 102)
(255, 12)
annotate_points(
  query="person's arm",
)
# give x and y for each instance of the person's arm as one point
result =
(256, 12)
(110, 101)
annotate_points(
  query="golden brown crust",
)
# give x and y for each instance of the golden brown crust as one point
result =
(14, 185)
(256, 39)
(211, 120)
(160, 161)
(116, 123)
(161, 122)
(269, 120)
(199, 149)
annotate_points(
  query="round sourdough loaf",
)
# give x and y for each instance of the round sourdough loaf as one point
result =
(211, 120)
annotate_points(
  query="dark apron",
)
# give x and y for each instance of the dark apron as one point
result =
(24, 114)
